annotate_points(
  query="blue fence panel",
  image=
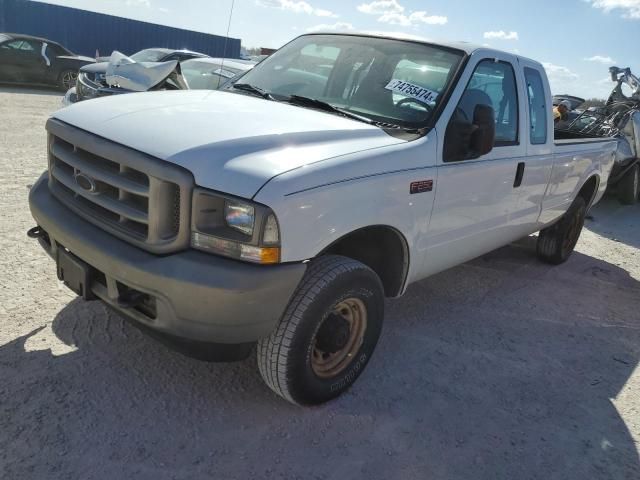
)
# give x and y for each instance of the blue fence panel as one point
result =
(85, 32)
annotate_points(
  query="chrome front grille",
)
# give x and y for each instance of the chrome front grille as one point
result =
(138, 198)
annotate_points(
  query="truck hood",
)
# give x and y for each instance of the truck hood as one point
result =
(231, 142)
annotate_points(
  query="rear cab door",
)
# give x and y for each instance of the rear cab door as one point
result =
(536, 167)
(476, 197)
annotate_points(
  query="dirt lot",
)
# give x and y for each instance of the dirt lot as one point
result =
(502, 368)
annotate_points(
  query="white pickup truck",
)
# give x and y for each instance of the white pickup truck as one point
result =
(283, 210)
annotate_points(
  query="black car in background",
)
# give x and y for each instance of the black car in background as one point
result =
(92, 77)
(31, 60)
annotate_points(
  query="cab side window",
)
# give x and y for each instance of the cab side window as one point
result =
(537, 107)
(497, 81)
(491, 92)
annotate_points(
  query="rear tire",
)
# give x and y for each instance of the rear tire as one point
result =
(67, 79)
(327, 334)
(629, 186)
(556, 243)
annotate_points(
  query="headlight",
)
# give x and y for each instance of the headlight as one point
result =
(85, 86)
(234, 228)
(240, 216)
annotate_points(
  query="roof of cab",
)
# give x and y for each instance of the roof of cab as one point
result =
(466, 47)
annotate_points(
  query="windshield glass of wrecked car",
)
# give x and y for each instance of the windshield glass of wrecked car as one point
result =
(391, 81)
(149, 55)
(210, 74)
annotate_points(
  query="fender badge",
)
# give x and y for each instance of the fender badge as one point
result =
(421, 186)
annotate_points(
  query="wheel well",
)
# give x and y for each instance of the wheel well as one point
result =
(381, 248)
(589, 189)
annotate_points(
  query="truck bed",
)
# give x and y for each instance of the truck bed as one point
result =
(566, 137)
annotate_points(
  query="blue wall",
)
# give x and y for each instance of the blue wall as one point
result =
(85, 32)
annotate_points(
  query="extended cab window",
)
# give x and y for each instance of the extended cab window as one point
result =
(494, 83)
(537, 107)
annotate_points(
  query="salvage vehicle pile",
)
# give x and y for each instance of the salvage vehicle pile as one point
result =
(619, 119)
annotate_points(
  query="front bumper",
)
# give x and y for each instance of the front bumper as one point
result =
(190, 295)
(70, 97)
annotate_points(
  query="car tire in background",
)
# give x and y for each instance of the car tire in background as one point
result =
(556, 243)
(628, 187)
(327, 334)
(67, 79)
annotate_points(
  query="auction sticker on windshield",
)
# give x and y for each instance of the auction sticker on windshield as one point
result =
(410, 90)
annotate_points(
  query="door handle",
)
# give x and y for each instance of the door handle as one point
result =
(519, 174)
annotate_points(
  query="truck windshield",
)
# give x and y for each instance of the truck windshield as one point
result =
(389, 81)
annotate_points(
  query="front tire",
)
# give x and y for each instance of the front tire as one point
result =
(327, 334)
(67, 79)
(629, 186)
(556, 243)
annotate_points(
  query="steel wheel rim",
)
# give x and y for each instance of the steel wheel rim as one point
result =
(327, 365)
(69, 79)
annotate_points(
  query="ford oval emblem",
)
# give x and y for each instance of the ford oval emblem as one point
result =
(85, 182)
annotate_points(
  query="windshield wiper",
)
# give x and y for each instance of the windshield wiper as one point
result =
(247, 87)
(393, 126)
(327, 107)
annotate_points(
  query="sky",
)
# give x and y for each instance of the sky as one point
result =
(576, 40)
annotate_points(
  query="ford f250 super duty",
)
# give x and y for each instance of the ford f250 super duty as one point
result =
(277, 215)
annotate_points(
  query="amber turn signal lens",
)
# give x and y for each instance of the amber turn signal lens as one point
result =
(269, 255)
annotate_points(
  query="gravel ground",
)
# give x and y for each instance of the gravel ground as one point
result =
(502, 368)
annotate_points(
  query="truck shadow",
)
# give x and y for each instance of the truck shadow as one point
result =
(620, 223)
(500, 368)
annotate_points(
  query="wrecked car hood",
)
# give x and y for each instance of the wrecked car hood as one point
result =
(100, 67)
(231, 142)
(123, 72)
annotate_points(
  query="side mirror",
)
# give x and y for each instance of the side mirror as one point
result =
(465, 140)
(484, 134)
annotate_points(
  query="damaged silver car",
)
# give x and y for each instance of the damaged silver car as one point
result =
(125, 75)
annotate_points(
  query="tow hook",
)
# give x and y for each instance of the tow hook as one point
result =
(36, 232)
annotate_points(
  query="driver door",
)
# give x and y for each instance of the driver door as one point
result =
(475, 197)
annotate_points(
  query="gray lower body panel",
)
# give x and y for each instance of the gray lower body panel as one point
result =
(190, 294)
